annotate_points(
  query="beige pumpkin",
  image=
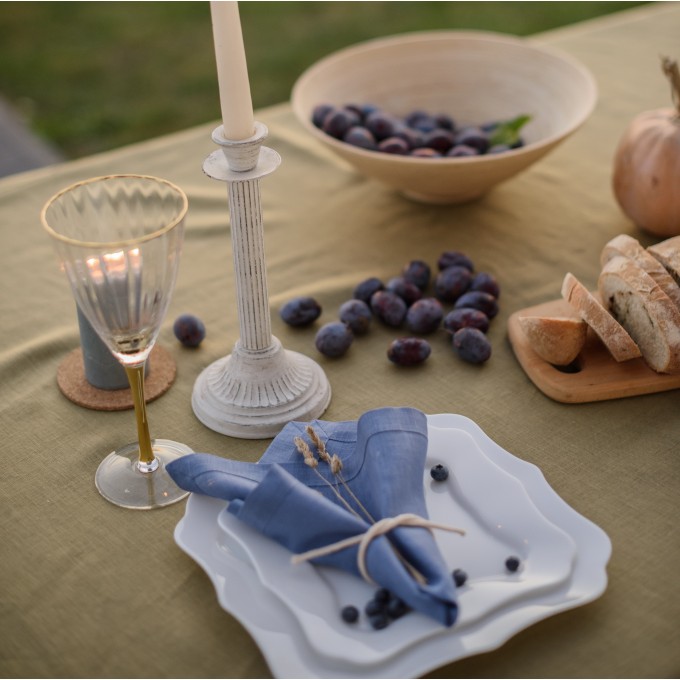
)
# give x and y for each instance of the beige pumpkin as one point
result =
(646, 177)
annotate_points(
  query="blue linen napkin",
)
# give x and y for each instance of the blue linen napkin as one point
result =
(383, 459)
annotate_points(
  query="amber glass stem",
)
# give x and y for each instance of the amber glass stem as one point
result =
(135, 375)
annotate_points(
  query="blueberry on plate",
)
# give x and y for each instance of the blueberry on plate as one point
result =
(439, 472)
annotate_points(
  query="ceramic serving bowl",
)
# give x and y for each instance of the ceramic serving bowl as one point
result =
(475, 77)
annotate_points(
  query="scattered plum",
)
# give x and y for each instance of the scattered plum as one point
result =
(405, 289)
(451, 283)
(478, 299)
(364, 290)
(388, 307)
(417, 272)
(424, 316)
(334, 339)
(357, 315)
(301, 311)
(465, 316)
(189, 330)
(472, 345)
(408, 351)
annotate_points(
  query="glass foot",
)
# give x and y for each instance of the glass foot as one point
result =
(121, 481)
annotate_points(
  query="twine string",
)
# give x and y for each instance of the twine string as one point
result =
(381, 527)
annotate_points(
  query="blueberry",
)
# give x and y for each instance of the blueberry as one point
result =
(405, 289)
(451, 283)
(382, 595)
(300, 311)
(439, 472)
(364, 290)
(357, 315)
(388, 307)
(396, 608)
(487, 283)
(450, 258)
(379, 621)
(424, 316)
(480, 300)
(334, 339)
(361, 137)
(465, 316)
(459, 577)
(461, 151)
(374, 607)
(472, 345)
(418, 272)
(349, 614)
(512, 564)
(189, 330)
(408, 351)
(394, 145)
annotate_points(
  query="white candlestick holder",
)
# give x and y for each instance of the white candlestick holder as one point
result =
(258, 388)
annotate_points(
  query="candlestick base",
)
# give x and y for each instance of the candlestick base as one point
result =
(253, 394)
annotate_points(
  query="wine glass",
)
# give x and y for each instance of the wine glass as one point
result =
(118, 239)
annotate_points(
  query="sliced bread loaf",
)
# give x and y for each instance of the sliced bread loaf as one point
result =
(645, 311)
(557, 340)
(627, 246)
(668, 254)
(614, 336)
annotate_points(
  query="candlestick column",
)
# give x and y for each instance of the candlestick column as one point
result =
(260, 387)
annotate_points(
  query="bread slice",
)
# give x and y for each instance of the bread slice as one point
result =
(614, 336)
(645, 311)
(668, 254)
(630, 247)
(557, 340)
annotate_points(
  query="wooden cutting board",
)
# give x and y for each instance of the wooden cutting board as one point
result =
(593, 376)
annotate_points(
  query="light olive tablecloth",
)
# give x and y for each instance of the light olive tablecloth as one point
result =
(90, 590)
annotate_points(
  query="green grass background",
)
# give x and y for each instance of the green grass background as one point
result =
(91, 76)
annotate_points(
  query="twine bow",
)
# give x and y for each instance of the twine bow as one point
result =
(380, 527)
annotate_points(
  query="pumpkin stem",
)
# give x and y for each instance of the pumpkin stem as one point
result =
(670, 68)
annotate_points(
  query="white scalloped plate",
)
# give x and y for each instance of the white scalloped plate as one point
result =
(499, 520)
(286, 647)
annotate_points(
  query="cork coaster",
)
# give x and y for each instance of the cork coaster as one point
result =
(73, 384)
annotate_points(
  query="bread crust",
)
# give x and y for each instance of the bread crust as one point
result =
(557, 340)
(644, 309)
(627, 246)
(614, 336)
(668, 254)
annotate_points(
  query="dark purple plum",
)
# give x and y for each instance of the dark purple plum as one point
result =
(487, 283)
(412, 137)
(418, 272)
(338, 121)
(381, 124)
(361, 137)
(421, 120)
(472, 345)
(320, 112)
(474, 137)
(461, 151)
(333, 339)
(451, 283)
(301, 311)
(405, 289)
(424, 316)
(357, 315)
(465, 316)
(445, 121)
(394, 145)
(449, 258)
(480, 300)
(389, 308)
(440, 140)
(425, 152)
(364, 290)
(408, 351)
(189, 330)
